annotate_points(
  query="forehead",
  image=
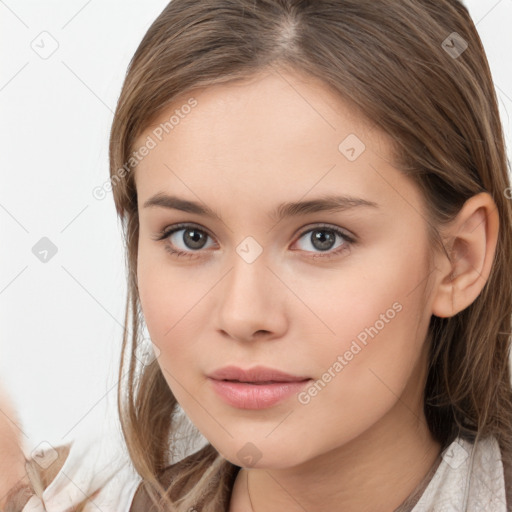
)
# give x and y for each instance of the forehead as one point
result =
(274, 133)
(259, 105)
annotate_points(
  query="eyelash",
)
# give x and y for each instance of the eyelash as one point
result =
(166, 233)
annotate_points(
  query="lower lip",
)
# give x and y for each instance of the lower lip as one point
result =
(255, 396)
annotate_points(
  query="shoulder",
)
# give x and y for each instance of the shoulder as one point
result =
(182, 476)
(81, 476)
(98, 469)
(40, 473)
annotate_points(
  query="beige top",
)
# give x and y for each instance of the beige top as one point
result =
(465, 477)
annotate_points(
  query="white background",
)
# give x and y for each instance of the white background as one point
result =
(61, 321)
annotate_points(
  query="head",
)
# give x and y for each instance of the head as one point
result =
(242, 107)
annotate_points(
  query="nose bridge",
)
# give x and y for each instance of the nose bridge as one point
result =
(248, 280)
(250, 299)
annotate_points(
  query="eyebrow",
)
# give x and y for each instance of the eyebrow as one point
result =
(290, 209)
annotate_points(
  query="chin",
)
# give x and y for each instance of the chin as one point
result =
(263, 454)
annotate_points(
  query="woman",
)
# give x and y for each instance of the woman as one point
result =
(314, 200)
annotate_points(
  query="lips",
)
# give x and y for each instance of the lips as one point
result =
(255, 388)
(255, 375)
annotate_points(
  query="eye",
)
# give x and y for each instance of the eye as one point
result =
(323, 238)
(183, 240)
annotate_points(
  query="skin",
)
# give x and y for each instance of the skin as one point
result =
(12, 460)
(362, 443)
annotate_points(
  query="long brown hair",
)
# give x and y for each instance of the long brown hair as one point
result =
(405, 66)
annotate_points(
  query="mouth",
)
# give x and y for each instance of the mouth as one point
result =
(258, 387)
(256, 394)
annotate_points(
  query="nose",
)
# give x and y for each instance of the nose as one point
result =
(252, 302)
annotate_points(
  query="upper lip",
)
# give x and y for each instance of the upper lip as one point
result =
(254, 374)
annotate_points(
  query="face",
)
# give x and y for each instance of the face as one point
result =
(339, 296)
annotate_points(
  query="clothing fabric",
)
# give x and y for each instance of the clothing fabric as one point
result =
(466, 477)
(469, 478)
(99, 465)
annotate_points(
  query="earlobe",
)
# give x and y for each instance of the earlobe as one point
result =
(472, 237)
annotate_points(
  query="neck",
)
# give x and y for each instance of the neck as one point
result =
(375, 472)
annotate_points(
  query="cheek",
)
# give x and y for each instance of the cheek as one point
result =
(165, 303)
(377, 323)
(380, 326)
(172, 298)
(166, 292)
(155, 297)
(378, 294)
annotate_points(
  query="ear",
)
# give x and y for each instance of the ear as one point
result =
(471, 243)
